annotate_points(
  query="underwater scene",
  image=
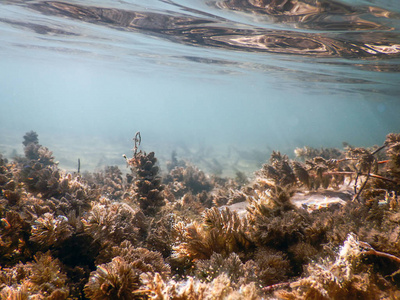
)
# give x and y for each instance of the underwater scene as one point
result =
(199, 149)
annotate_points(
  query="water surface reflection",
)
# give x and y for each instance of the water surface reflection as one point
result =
(342, 29)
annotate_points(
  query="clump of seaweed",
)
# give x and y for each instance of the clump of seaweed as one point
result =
(192, 206)
(47, 276)
(346, 277)
(359, 165)
(160, 233)
(41, 176)
(40, 279)
(39, 171)
(280, 230)
(174, 162)
(392, 144)
(142, 259)
(238, 273)
(241, 179)
(9, 187)
(148, 185)
(30, 137)
(114, 222)
(192, 288)
(115, 280)
(187, 179)
(221, 231)
(49, 230)
(14, 239)
(313, 174)
(278, 170)
(109, 182)
(227, 193)
(272, 266)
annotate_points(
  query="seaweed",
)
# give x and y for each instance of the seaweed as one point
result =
(109, 182)
(221, 231)
(115, 280)
(192, 288)
(159, 234)
(147, 183)
(142, 259)
(192, 206)
(392, 144)
(41, 278)
(241, 179)
(187, 235)
(346, 277)
(182, 180)
(273, 266)
(279, 170)
(239, 273)
(114, 222)
(49, 231)
(14, 239)
(30, 137)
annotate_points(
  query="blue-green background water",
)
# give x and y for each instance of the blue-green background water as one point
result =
(219, 82)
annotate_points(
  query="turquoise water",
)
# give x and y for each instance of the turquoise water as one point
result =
(218, 81)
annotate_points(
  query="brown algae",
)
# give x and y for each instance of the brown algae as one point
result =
(323, 226)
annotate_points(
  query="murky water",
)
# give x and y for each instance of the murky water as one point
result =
(220, 82)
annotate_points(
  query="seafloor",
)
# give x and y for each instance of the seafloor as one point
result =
(322, 226)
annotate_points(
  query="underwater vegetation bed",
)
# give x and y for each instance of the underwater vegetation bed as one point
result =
(322, 226)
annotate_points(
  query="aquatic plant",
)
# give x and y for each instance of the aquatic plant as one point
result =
(9, 187)
(227, 195)
(272, 266)
(114, 222)
(30, 137)
(49, 231)
(345, 277)
(221, 231)
(159, 234)
(142, 259)
(358, 165)
(115, 280)
(192, 206)
(283, 174)
(326, 174)
(230, 225)
(109, 237)
(392, 144)
(280, 231)
(192, 288)
(241, 179)
(182, 180)
(278, 170)
(19, 292)
(147, 183)
(174, 162)
(40, 279)
(108, 182)
(39, 171)
(46, 275)
(14, 239)
(239, 273)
